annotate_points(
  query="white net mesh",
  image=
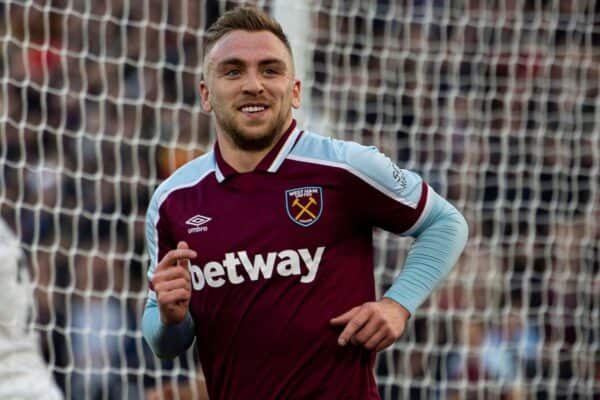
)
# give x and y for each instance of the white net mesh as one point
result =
(495, 103)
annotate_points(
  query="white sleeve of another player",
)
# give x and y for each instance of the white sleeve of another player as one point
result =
(23, 373)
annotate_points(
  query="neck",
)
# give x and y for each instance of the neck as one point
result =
(241, 160)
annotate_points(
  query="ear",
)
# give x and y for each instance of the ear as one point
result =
(205, 94)
(296, 94)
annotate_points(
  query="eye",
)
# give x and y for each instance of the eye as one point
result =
(270, 71)
(232, 73)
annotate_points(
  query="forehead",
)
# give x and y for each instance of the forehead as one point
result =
(249, 47)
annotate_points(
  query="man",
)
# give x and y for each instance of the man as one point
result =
(261, 249)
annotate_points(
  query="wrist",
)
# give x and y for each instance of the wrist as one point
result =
(399, 308)
(169, 320)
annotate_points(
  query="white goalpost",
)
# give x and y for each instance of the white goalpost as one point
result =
(496, 104)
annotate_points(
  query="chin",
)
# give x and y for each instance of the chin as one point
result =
(253, 141)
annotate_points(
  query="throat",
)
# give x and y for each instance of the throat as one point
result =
(246, 161)
(242, 160)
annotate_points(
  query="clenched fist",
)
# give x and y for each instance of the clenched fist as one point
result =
(172, 284)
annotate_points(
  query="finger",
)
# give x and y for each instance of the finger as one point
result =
(384, 344)
(345, 317)
(170, 259)
(353, 326)
(174, 296)
(173, 273)
(367, 331)
(183, 261)
(375, 339)
(170, 275)
(173, 256)
(167, 286)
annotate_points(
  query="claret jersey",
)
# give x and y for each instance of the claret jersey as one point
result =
(281, 251)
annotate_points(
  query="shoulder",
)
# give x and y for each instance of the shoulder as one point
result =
(315, 147)
(364, 162)
(348, 155)
(188, 175)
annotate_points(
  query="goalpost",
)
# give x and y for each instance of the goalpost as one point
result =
(495, 103)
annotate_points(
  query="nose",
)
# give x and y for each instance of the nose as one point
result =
(253, 83)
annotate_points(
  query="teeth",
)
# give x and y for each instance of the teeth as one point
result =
(252, 109)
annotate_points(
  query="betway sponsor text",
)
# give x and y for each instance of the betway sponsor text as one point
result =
(238, 267)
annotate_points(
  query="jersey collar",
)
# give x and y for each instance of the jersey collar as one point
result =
(270, 163)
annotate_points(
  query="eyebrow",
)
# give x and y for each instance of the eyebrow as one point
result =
(239, 62)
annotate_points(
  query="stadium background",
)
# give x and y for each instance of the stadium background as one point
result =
(496, 103)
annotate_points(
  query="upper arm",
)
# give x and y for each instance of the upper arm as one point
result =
(386, 195)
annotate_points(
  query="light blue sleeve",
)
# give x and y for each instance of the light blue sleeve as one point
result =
(166, 341)
(440, 239)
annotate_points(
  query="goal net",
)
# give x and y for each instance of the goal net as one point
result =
(495, 103)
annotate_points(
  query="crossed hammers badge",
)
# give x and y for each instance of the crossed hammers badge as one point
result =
(304, 205)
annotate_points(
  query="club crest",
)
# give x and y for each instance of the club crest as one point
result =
(304, 205)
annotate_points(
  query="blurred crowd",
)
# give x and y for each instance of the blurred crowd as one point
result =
(496, 104)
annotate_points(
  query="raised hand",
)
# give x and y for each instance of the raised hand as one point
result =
(374, 325)
(172, 284)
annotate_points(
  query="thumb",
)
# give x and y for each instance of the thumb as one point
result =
(182, 245)
(344, 318)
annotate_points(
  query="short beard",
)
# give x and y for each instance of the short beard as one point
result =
(243, 142)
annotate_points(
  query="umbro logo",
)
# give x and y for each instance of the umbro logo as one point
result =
(199, 223)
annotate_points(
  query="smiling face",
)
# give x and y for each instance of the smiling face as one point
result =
(251, 89)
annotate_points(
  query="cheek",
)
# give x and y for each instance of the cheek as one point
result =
(222, 95)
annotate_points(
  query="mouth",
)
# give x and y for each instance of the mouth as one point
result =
(253, 108)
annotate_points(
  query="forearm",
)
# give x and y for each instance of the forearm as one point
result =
(166, 341)
(439, 241)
